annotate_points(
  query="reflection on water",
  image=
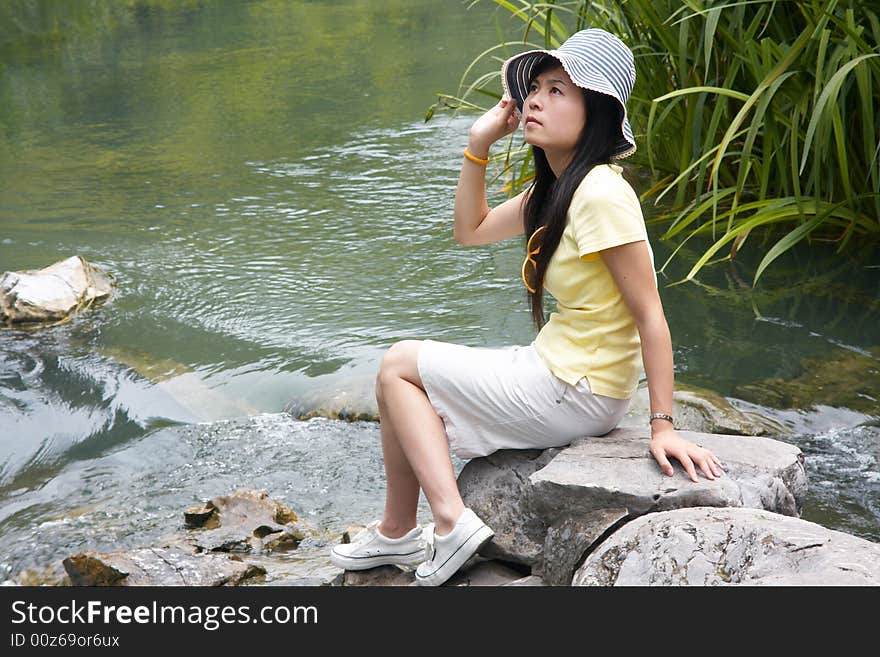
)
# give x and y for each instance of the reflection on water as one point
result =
(272, 233)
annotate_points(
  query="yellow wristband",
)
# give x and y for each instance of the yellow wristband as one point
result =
(473, 158)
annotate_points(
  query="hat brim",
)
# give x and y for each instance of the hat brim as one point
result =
(517, 71)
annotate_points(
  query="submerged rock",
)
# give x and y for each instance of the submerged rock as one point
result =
(51, 293)
(354, 402)
(845, 379)
(718, 546)
(199, 401)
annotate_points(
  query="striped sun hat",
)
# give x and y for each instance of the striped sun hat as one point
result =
(593, 59)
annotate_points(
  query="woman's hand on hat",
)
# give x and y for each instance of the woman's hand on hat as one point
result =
(667, 442)
(501, 120)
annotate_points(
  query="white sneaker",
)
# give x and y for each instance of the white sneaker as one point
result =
(369, 549)
(444, 555)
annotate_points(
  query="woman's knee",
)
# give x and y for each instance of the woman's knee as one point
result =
(399, 362)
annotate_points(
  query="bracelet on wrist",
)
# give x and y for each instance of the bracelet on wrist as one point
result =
(476, 160)
(660, 416)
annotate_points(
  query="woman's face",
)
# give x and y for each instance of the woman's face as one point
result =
(553, 112)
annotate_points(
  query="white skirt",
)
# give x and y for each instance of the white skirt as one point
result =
(507, 398)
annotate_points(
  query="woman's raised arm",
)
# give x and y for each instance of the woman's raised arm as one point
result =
(475, 223)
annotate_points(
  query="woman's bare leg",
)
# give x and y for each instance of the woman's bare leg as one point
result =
(402, 485)
(414, 446)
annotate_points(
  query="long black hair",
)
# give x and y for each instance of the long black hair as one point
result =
(550, 196)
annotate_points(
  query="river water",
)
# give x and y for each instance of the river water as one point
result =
(259, 179)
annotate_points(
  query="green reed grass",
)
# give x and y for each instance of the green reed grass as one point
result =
(757, 118)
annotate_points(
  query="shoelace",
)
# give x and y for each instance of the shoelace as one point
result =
(366, 534)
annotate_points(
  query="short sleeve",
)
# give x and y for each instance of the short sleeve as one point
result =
(605, 212)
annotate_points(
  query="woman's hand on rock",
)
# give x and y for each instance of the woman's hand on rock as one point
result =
(666, 443)
(501, 120)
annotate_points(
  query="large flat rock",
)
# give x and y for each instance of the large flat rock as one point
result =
(157, 567)
(758, 472)
(728, 546)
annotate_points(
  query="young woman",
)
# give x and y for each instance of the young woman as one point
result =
(587, 245)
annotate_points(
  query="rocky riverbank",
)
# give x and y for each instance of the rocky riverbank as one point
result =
(598, 512)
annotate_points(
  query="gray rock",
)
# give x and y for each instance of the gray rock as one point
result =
(381, 576)
(498, 489)
(484, 572)
(157, 567)
(726, 546)
(245, 521)
(522, 494)
(477, 571)
(568, 540)
(618, 470)
(51, 293)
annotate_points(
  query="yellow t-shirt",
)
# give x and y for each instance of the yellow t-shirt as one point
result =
(592, 333)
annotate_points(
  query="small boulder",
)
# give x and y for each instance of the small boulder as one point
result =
(497, 488)
(51, 293)
(245, 521)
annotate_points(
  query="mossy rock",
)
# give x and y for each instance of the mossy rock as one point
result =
(845, 379)
(704, 410)
(344, 414)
